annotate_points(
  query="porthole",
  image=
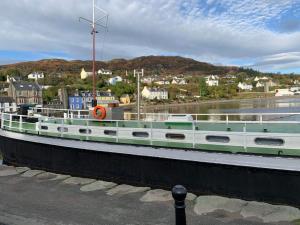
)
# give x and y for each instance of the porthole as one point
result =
(110, 132)
(85, 131)
(62, 129)
(217, 139)
(175, 136)
(140, 134)
(44, 128)
(269, 141)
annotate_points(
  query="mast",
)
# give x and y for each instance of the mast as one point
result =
(100, 22)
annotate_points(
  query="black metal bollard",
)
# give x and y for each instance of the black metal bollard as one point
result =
(179, 193)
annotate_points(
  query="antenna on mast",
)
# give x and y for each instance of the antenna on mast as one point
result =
(101, 22)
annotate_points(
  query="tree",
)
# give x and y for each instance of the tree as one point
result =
(203, 87)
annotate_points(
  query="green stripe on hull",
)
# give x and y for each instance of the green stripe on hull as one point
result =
(222, 148)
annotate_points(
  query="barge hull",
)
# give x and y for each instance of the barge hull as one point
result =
(249, 183)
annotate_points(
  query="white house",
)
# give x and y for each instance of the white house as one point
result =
(179, 81)
(104, 72)
(154, 93)
(162, 82)
(148, 80)
(35, 76)
(245, 87)
(261, 78)
(212, 80)
(114, 80)
(260, 84)
(85, 74)
(284, 92)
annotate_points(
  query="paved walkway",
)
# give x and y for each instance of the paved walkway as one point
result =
(33, 197)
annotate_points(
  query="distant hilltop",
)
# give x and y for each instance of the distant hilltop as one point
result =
(160, 65)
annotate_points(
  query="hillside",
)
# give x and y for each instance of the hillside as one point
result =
(152, 65)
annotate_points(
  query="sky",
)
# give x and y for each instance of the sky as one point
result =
(261, 34)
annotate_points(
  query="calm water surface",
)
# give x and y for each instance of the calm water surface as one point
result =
(271, 105)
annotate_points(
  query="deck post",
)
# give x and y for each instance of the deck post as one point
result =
(194, 128)
(10, 121)
(2, 120)
(117, 124)
(179, 193)
(20, 123)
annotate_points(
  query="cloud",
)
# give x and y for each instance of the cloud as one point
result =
(221, 31)
(279, 62)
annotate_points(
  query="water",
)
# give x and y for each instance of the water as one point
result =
(255, 106)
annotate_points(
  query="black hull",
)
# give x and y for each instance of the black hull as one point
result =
(260, 184)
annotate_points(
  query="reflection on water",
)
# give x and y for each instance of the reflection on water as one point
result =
(255, 106)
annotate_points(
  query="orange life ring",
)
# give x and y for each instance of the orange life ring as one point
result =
(101, 115)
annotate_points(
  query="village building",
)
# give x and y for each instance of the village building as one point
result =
(36, 76)
(84, 74)
(114, 80)
(245, 87)
(125, 99)
(154, 93)
(162, 82)
(105, 72)
(179, 81)
(25, 92)
(212, 80)
(283, 92)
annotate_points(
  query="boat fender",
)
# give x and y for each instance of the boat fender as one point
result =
(99, 112)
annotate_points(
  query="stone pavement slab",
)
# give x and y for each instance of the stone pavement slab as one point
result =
(270, 213)
(124, 189)
(32, 173)
(157, 195)
(209, 204)
(22, 169)
(8, 171)
(97, 186)
(78, 181)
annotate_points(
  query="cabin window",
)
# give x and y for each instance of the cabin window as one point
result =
(85, 131)
(175, 136)
(269, 141)
(44, 128)
(140, 134)
(217, 139)
(110, 132)
(62, 129)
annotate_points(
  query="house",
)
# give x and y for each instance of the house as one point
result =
(105, 96)
(162, 82)
(7, 104)
(148, 80)
(212, 80)
(245, 87)
(101, 96)
(25, 92)
(75, 102)
(179, 81)
(125, 99)
(104, 72)
(283, 92)
(261, 78)
(114, 80)
(260, 84)
(84, 74)
(35, 76)
(154, 93)
(13, 79)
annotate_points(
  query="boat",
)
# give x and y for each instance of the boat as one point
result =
(248, 156)
(208, 153)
